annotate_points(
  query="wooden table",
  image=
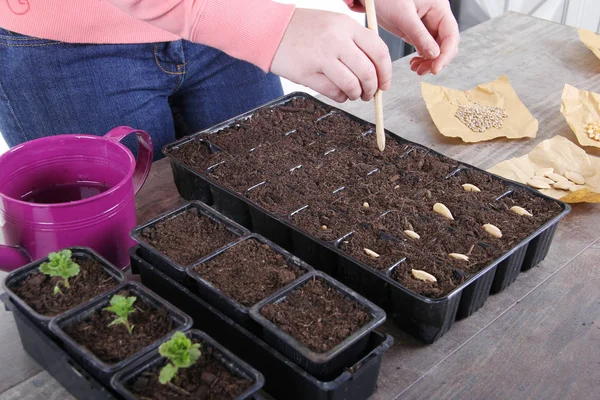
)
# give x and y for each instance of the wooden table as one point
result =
(538, 339)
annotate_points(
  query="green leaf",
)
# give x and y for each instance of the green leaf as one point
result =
(61, 264)
(167, 373)
(56, 290)
(180, 350)
(122, 307)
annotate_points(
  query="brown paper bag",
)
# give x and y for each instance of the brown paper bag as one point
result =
(591, 40)
(443, 103)
(581, 108)
(562, 155)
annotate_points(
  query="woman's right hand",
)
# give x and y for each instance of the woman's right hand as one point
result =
(334, 55)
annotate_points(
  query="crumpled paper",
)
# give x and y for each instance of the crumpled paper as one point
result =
(562, 155)
(591, 40)
(581, 108)
(443, 103)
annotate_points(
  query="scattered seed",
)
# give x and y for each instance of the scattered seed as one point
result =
(493, 230)
(324, 227)
(537, 183)
(412, 234)
(566, 185)
(396, 187)
(470, 188)
(442, 210)
(520, 211)
(556, 177)
(544, 171)
(459, 256)
(479, 118)
(371, 253)
(575, 177)
(593, 131)
(366, 205)
(423, 276)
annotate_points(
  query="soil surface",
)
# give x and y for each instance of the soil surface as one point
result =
(317, 315)
(249, 272)
(207, 379)
(322, 222)
(37, 290)
(113, 344)
(188, 237)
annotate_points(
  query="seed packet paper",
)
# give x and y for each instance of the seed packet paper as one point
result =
(443, 103)
(581, 108)
(562, 155)
(591, 40)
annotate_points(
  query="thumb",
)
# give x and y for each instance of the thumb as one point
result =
(420, 37)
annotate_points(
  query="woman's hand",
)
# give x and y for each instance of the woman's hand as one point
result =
(334, 55)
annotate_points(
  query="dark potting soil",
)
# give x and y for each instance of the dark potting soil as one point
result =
(320, 221)
(491, 188)
(197, 155)
(37, 290)
(187, 237)
(390, 250)
(207, 379)
(277, 198)
(317, 315)
(248, 272)
(447, 279)
(421, 161)
(113, 344)
(237, 174)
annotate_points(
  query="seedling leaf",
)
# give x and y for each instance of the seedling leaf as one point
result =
(122, 307)
(181, 353)
(60, 264)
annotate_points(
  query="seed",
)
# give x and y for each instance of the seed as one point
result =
(324, 227)
(574, 188)
(544, 171)
(537, 183)
(366, 205)
(459, 256)
(593, 131)
(442, 210)
(479, 118)
(423, 276)
(470, 188)
(566, 185)
(520, 211)
(396, 187)
(557, 177)
(544, 179)
(493, 230)
(575, 177)
(412, 234)
(371, 253)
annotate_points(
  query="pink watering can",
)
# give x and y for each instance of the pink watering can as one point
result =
(70, 190)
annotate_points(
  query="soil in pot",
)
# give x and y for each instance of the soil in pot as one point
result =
(275, 197)
(447, 278)
(113, 344)
(491, 188)
(187, 237)
(321, 222)
(207, 379)
(248, 272)
(237, 175)
(197, 155)
(37, 289)
(374, 249)
(317, 315)
(421, 161)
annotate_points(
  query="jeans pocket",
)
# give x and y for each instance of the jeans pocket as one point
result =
(14, 39)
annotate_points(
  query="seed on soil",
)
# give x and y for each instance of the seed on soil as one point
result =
(575, 177)
(423, 276)
(537, 183)
(324, 227)
(544, 171)
(556, 177)
(479, 118)
(566, 185)
(470, 188)
(442, 210)
(412, 234)
(493, 230)
(366, 205)
(459, 256)
(396, 187)
(520, 211)
(371, 253)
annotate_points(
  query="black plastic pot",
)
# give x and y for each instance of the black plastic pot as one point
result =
(90, 362)
(284, 379)
(230, 307)
(17, 276)
(319, 364)
(164, 263)
(234, 365)
(427, 319)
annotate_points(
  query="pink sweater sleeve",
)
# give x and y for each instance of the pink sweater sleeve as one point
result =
(247, 29)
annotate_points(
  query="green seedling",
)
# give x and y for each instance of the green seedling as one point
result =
(181, 353)
(123, 307)
(60, 264)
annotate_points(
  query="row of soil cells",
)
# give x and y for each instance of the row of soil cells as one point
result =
(346, 185)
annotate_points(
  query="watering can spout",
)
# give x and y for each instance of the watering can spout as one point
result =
(12, 257)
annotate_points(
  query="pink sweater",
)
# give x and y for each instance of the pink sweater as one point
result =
(247, 29)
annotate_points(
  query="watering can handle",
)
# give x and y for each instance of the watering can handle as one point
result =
(145, 152)
(12, 257)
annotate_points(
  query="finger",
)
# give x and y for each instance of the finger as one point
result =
(323, 85)
(343, 78)
(415, 63)
(362, 67)
(449, 38)
(379, 54)
(425, 67)
(410, 24)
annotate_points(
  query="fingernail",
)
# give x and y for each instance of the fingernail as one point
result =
(431, 52)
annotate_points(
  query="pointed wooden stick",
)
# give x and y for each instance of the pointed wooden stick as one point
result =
(372, 24)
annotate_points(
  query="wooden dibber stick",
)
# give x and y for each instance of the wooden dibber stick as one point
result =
(372, 24)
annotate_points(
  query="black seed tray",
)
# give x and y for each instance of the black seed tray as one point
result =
(425, 318)
(164, 263)
(234, 310)
(283, 378)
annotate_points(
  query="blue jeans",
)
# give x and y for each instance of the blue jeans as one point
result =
(168, 89)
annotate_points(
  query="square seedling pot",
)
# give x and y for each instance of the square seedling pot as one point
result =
(166, 264)
(121, 381)
(16, 277)
(232, 308)
(319, 364)
(101, 370)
